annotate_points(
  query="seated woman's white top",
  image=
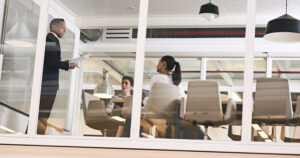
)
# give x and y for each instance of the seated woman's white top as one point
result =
(162, 78)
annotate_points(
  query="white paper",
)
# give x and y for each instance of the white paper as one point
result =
(80, 59)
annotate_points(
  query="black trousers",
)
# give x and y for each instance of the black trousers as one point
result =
(46, 104)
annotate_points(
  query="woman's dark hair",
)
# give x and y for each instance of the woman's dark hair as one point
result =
(130, 79)
(171, 63)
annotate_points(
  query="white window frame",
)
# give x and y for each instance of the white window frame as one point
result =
(135, 142)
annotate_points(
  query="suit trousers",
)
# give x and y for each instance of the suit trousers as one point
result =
(46, 104)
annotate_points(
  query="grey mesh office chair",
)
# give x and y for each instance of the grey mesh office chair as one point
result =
(203, 105)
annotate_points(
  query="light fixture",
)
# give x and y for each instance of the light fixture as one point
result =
(283, 29)
(19, 34)
(209, 11)
(104, 89)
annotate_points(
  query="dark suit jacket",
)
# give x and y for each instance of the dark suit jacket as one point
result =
(52, 64)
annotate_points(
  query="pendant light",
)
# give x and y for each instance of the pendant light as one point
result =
(104, 89)
(20, 34)
(283, 29)
(209, 11)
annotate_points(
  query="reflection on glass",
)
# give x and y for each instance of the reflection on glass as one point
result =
(55, 89)
(210, 108)
(109, 117)
(96, 118)
(275, 116)
(17, 64)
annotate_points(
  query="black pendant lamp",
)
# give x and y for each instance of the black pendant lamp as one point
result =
(283, 29)
(209, 11)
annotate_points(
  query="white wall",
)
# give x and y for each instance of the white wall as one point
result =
(64, 152)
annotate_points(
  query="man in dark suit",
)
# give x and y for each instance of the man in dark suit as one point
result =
(52, 64)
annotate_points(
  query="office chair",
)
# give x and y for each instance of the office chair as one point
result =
(293, 132)
(203, 105)
(272, 104)
(96, 117)
(163, 103)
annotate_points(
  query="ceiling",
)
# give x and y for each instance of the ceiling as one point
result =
(93, 14)
(175, 7)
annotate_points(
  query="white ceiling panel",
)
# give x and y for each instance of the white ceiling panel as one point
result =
(173, 13)
(102, 7)
(192, 7)
(175, 7)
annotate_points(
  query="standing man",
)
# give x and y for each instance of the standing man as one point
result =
(52, 64)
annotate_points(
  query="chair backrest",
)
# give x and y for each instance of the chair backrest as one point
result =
(94, 108)
(297, 111)
(127, 107)
(203, 102)
(272, 99)
(163, 100)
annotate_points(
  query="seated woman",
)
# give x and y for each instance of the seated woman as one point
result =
(118, 100)
(164, 67)
(127, 86)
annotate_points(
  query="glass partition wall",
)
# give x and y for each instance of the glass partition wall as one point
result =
(212, 107)
(17, 57)
(107, 75)
(61, 114)
(187, 92)
(274, 117)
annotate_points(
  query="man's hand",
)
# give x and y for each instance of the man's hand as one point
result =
(73, 65)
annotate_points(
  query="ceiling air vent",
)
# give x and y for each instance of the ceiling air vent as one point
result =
(117, 34)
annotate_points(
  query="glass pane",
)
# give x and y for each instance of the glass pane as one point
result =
(275, 115)
(193, 108)
(103, 93)
(17, 59)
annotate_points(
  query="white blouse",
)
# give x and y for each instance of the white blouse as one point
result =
(162, 78)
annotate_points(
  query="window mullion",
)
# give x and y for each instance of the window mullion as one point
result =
(38, 68)
(139, 68)
(248, 71)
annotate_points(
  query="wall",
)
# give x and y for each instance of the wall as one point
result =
(65, 152)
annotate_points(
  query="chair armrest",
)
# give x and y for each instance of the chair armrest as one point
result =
(231, 106)
(182, 107)
(297, 111)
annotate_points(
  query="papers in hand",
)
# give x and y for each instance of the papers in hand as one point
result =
(80, 59)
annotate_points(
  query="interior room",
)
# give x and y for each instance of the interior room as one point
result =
(182, 74)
